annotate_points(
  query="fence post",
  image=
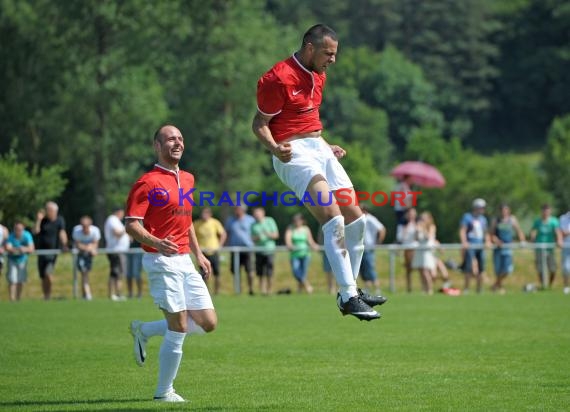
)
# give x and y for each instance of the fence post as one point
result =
(74, 271)
(237, 274)
(543, 275)
(392, 266)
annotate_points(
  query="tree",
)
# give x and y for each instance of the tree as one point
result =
(26, 189)
(557, 160)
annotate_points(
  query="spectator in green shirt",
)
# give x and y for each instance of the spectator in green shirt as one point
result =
(299, 241)
(264, 232)
(546, 229)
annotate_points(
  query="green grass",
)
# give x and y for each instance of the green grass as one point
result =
(296, 352)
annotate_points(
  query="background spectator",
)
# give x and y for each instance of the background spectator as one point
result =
(238, 228)
(211, 235)
(374, 234)
(264, 232)
(19, 245)
(403, 185)
(406, 235)
(473, 231)
(565, 231)
(503, 230)
(546, 229)
(86, 238)
(134, 270)
(4, 232)
(50, 232)
(117, 242)
(424, 259)
(299, 239)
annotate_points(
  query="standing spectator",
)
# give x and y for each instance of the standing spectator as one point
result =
(264, 232)
(211, 236)
(118, 242)
(503, 231)
(50, 232)
(298, 239)
(86, 238)
(134, 270)
(473, 231)
(19, 245)
(424, 259)
(374, 234)
(546, 229)
(4, 232)
(238, 228)
(565, 231)
(406, 235)
(400, 208)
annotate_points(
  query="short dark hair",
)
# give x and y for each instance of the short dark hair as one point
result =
(158, 132)
(316, 34)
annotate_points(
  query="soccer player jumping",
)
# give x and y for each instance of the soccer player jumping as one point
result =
(288, 124)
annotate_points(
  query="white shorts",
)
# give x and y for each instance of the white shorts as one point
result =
(175, 284)
(312, 156)
(17, 272)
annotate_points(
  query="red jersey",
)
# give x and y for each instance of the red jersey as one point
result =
(162, 199)
(292, 95)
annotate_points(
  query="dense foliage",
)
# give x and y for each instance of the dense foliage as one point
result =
(85, 84)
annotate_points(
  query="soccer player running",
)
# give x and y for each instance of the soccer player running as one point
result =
(288, 124)
(159, 216)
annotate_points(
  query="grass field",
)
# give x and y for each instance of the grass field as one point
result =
(295, 352)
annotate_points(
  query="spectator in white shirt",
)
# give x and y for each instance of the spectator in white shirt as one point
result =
(117, 241)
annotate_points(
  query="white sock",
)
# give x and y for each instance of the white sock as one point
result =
(156, 328)
(169, 360)
(336, 252)
(354, 238)
(159, 327)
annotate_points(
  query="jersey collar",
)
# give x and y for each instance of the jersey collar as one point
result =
(175, 172)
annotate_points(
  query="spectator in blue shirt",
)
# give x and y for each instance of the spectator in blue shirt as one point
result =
(19, 245)
(238, 228)
(474, 232)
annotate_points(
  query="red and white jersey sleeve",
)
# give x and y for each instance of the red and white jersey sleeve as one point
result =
(270, 94)
(137, 202)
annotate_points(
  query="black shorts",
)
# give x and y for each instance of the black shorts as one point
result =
(46, 265)
(117, 264)
(245, 259)
(215, 263)
(84, 262)
(264, 264)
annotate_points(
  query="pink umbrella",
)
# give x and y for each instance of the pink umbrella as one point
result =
(422, 174)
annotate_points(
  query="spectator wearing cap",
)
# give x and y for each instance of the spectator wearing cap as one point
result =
(545, 231)
(503, 231)
(474, 236)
